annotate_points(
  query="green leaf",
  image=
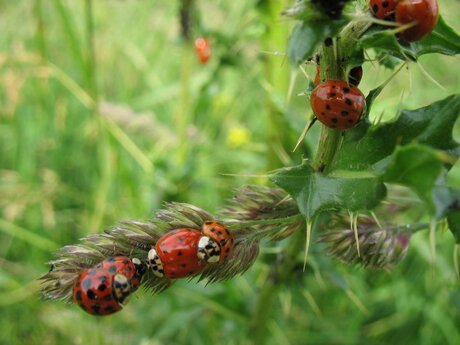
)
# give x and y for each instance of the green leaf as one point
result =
(315, 192)
(384, 41)
(447, 201)
(453, 221)
(417, 167)
(307, 35)
(443, 40)
(432, 125)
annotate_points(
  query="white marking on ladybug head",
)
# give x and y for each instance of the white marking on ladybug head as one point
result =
(121, 287)
(208, 250)
(154, 263)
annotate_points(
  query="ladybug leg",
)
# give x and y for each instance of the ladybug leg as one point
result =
(208, 250)
(154, 263)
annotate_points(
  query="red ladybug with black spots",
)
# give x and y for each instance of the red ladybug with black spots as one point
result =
(337, 104)
(218, 242)
(133, 269)
(103, 289)
(422, 13)
(383, 9)
(175, 255)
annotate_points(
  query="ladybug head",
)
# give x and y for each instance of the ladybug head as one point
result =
(139, 266)
(208, 250)
(121, 287)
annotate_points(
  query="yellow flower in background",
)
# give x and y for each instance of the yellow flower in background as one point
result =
(238, 136)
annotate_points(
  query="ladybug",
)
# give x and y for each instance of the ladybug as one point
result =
(337, 104)
(423, 13)
(217, 244)
(99, 292)
(133, 269)
(176, 254)
(203, 49)
(383, 9)
(354, 76)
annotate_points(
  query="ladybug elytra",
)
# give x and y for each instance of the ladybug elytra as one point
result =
(337, 104)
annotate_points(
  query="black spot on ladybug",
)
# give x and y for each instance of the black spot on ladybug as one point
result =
(78, 296)
(128, 269)
(107, 298)
(332, 94)
(86, 284)
(109, 309)
(328, 42)
(346, 90)
(219, 233)
(375, 8)
(113, 269)
(212, 229)
(179, 253)
(126, 261)
(334, 119)
(385, 4)
(183, 265)
(91, 294)
(102, 287)
(223, 242)
(344, 113)
(348, 101)
(328, 107)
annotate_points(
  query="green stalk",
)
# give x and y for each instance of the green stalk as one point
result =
(90, 69)
(40, 30)
(279, 274)
(276, 74)
(332, 55)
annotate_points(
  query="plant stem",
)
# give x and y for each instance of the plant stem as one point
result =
(279, 273)
(329, 143)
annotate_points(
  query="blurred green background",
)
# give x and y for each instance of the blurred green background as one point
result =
(106, 113)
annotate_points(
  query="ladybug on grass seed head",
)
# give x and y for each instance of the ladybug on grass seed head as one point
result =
(175, 255)
(103, 289)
